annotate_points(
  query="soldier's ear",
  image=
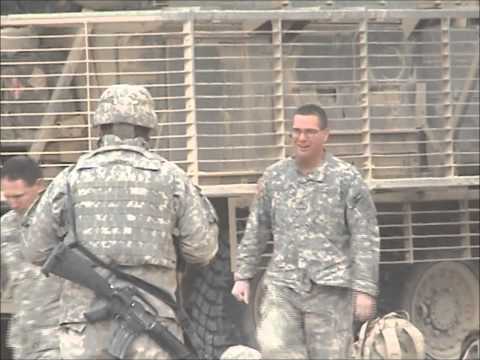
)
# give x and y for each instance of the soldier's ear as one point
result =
(39, 185)
(325, 134)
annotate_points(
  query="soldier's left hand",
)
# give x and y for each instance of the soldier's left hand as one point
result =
(364, 306)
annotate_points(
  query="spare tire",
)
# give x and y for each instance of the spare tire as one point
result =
(471, 346)
(207, 299)
(442, 299)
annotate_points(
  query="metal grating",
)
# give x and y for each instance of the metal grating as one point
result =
(411, 231)
(401, 91)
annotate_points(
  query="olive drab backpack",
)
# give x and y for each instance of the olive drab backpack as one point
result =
(392, 336)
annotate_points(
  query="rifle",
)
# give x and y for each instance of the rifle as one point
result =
(126, 305)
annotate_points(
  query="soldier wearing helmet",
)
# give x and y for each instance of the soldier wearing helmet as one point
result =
(128, 104)
(133, 209)
(126, 112)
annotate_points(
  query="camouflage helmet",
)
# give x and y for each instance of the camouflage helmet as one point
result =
(391, 337)
(240, 352)
(131, 104)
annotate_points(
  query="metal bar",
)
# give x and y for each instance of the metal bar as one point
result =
(242, 160)
(232, 232)
(432, 248)
(409, 230)
(365, 91)
(447, 88)
(312, 13)
(191, 119)
(458, 181)
(434, 237)
(468, 88)
(87, 81)
(467, 238)
(279, 85)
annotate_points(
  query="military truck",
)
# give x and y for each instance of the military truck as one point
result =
(399, 82)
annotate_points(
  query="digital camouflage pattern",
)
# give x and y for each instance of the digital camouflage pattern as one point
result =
(34, 326)
(129, 104)
(325, 243)
(313, 325)
(10, 244)
(90, 343)
(323, 227)
(132, 208)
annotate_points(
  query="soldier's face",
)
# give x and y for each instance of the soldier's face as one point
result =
(308, 138)
(20, 195)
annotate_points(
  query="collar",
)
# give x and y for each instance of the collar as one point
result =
(318, 174)
(29, 212)
(113, 140)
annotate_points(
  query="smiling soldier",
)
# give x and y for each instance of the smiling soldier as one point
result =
(324, 269)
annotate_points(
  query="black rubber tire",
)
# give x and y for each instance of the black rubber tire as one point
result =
(207, 299)
(206, 306)
(470, 342)
(6, 352)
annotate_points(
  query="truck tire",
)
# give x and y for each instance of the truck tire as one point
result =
(211, 331)
(471, 347)
(207, 299)
(442, 299)
(6, 351)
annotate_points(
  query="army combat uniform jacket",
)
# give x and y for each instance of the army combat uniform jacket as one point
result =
(323, 227)
(133, 209)
(36, 298)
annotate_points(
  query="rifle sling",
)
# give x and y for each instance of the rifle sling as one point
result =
(140, 283)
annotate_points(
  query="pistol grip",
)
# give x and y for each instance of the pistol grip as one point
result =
(99, 312)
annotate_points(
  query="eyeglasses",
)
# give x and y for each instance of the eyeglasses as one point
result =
(308, 133)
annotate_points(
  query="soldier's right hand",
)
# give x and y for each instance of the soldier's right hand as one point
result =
(241, 290)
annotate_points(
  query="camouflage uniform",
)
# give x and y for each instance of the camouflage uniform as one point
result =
(326, 243)
(36, 298)
(133, 208)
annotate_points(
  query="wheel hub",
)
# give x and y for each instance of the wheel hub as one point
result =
(443, 311)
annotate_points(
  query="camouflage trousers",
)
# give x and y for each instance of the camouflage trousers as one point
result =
(91, 342)
(53, 354)
(315, 325)
(28, 340)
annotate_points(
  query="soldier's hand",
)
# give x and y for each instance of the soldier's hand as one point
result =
(364, 306)
(241, 290)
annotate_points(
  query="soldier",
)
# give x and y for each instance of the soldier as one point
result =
(36, 298)
(318, 211)
(133, 209)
